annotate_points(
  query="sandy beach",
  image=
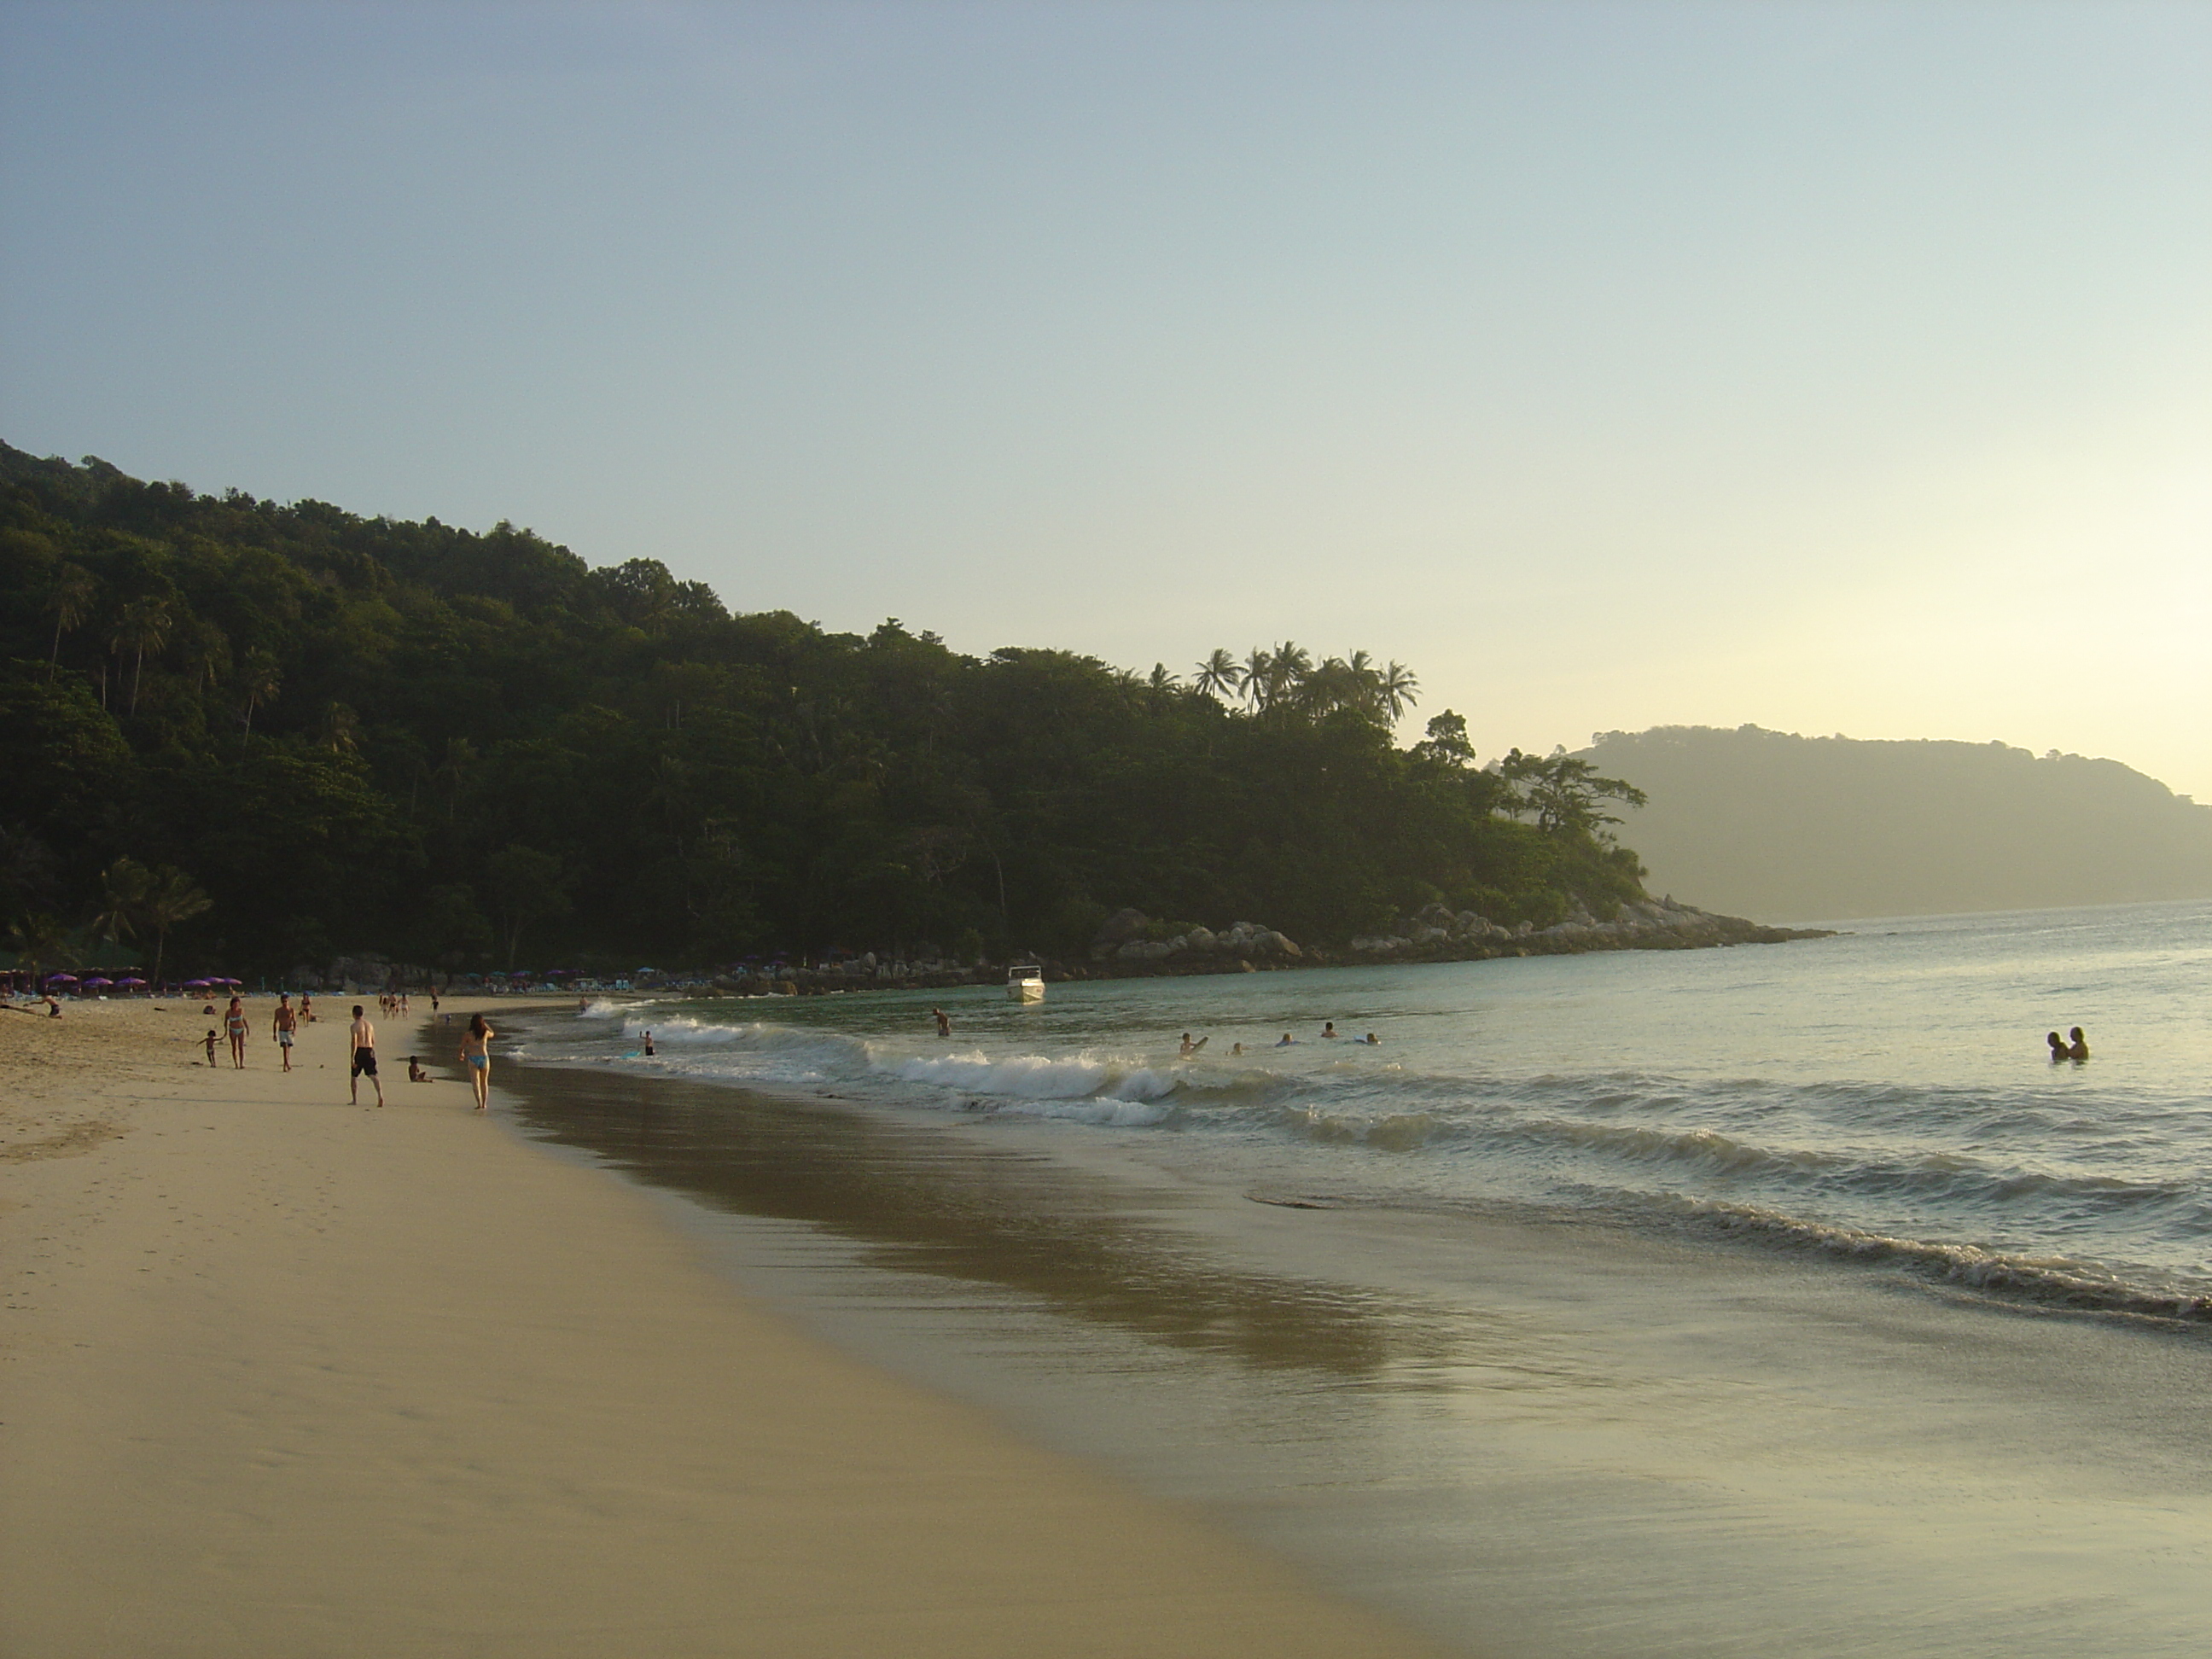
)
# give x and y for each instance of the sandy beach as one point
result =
(284, 1376)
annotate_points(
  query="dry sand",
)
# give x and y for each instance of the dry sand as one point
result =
(280, 1376)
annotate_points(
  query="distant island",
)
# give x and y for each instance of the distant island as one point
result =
(1784, 827)
(249, 739)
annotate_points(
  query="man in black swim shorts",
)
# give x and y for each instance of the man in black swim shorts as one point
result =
(363, 1036)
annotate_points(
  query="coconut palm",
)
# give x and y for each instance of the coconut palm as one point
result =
(1292, 662)
(1259, 672)
(40, 942)
(1219, 675)
(259, 679)
(69, 601)
(1397, 690)
(142, 626)
(172, 898)
(125, 885)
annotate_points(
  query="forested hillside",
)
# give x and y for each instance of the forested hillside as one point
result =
(1787, 827)
(355, 734)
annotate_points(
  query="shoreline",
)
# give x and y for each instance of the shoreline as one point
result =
(1571, 1437)
(286, 1375)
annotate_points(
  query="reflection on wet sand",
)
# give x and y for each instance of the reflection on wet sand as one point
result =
(919, 1202)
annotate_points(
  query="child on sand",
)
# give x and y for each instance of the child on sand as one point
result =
(210, 1044)
(415, 1072)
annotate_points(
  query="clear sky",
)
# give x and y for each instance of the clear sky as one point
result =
(1834, 367)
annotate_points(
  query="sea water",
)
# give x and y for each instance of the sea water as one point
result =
(1772, 1299)
(1885, 1095)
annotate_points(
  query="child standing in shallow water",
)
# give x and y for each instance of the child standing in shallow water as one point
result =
(476, 1055)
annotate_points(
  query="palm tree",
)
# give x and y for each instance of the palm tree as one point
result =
(259, 678)
(1259, 677)
(68, 602)
(125, 885)
(172, 899)
(1219, 675)
(1397, 690)
(41, 942)
(341, 728)
(142, 626)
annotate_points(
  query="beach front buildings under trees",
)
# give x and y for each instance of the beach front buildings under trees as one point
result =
(348, 734)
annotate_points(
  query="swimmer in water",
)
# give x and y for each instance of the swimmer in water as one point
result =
(1328, 1030)
(1288, 1042)
(2057, 1047)
(1236, 1050)
(2078, 1049)
(1189, 1047)
(649, 1050)
(1372, 1041)
(944, 1022)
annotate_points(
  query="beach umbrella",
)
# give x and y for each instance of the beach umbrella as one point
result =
(197, 984)
(133, 982)
(60, 979)
(96, 980)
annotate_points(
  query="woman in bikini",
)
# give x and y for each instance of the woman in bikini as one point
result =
(476, 1055)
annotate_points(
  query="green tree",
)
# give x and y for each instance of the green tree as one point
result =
(142, 626)
(260, 679)
(1219, 675)
(40, 942)
(172, 899)
(528, 886)
(70, 599)
(126, 885)
(1563, 793)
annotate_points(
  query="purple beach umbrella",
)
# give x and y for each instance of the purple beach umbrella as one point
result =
(134, 981)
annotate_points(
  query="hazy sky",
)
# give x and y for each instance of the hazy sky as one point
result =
(1835, 367)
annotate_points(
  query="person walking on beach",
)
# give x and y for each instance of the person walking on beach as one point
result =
(476, 1055)
(363, 1040)
(282, 1025)
(210, 1047)
(234, 1023)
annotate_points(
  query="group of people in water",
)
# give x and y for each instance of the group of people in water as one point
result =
(2077, 1049)
(1328, 1034)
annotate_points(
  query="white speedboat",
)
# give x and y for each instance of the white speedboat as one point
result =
(1025, 983)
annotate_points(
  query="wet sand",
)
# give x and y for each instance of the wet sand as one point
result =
(1545, 1438)
(286, 1375)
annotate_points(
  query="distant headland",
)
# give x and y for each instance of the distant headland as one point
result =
(1789, 827)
